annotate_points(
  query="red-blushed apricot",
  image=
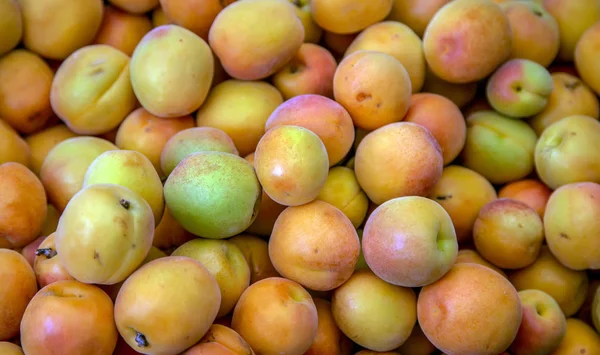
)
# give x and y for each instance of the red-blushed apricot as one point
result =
(148, 134)
(323, 116)
(466, 40)
(472, 309)
(374, 87)
(442, 118)
(276, 315)
(530, 191)
(122, 30)
(18, 288)
(47, 266)
(399, 159)
(314, 244)
(23, 205)
(25, 81)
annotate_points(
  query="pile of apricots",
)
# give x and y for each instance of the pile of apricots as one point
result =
(302, 177)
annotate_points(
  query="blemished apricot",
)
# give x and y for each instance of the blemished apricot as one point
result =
(315, 245)
(22, 205)
(122, 30)
(25, 81)
(42, 142)
(374, 87)
(323, 116)
(148, 134)
(18, 288)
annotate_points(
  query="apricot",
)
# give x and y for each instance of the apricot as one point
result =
(91, 91)
(508, 233)
(413, 169)
(312, 32)
(323, 116)
(148, 134)
(314, 244)
(256, 253)
(587, 13)
(46, 265)
(309, 72)
(338, 43)
(276, 315)
(397, 40)
(530, 191)
(462, 192)
(568, 287)
(11, 25)
(214, 195)
(220, 340)
(240, 109)
(42, 142)
(18, 288)
(171, 71)
(585, 51)
(22, 205)
(135, 6)
(472, 309)
(195, 15)
(569, 222)
(159, 17)
(535, 32)
(64, 168)
(566, 151)
(570, 96)
(225, 262)
(443, 119)
(154, 318)
(416, 14)
(380, 319)
(121, 29)
(460, 94)
(472, 256)
(579, 338)
(330, 338)
(7, 348)
(13, 147)
(343, 191)
(291, 164)
(423, 236)
(56, 28)
(78, 319)
(499, 147)
(25, 81)
(347, 16)
(169, 234)
(251, 48)
(374, 87)
(28, 251)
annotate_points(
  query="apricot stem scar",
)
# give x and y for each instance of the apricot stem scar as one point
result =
(47, 252)
(125, 204)
(140, 340)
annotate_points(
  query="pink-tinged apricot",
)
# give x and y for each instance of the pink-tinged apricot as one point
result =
(413, 169)
(466, 40)
(323, 116)
(374, 87)
(443, 119)
(291, 164)
(530, 191)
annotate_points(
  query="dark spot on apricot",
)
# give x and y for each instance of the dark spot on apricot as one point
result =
(125, 204)
(573, 84)
(563, 235)
(97, 257)
(361, 96)
(443, 198)
(537, 12)
(97, 71)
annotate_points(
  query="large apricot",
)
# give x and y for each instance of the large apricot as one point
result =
(466, 40)
(251, 48)
(42, 142)
(171, 71)
(399, 159)
(315, 245)
(323, 116)
(471, 310)
(148, 134)
(374, 87)
(91, 91)
(25, 81)
(13, 147)
(240, 109)
(56, 28)
(122, 30)
(18, 286)
(22, 205)
(291, 164)
(64, 168)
